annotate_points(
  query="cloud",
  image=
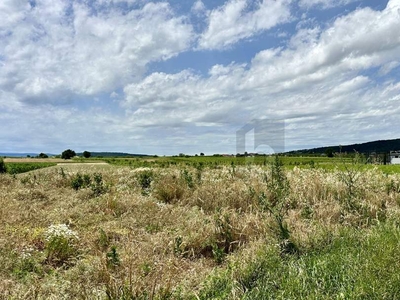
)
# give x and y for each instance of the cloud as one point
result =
(59, 49)
(333, 82)
(324, 4)
(319, 76)
(236, 20)
(199, 8)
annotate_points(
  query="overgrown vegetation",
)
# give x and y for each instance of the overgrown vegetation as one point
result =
(201, 231)
(17, 168)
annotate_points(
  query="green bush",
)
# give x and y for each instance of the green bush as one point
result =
(3, 168)
(60, 245)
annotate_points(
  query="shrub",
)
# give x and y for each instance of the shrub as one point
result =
(3, 168)
(60, 244)
(275, 201)
(145, 179)
(86, 154)
(68, 154)
(77, 182)
(98, 187)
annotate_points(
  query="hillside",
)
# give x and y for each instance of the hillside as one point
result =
(113, 154)
(380, 146)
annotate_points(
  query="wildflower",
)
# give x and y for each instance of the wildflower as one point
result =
(60, 231)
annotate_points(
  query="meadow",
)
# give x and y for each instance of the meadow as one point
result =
(202, 228)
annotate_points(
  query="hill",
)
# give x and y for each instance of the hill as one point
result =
(113, 154)
(381, 146)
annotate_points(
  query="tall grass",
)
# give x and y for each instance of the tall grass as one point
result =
(170, 233)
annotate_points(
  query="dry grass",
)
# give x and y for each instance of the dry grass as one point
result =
(169, 237)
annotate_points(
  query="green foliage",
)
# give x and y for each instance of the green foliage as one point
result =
(79, 181)
(43, 155)
(68, 154)
(145, 179)
(178, 249)
(113, 259)
(276, 202)
(349, 174)
(60, 245)
(187, 176)
(3, 168)
(98, 187)
(17, 168)
(86, 154)
(103, 240)
(350, 266)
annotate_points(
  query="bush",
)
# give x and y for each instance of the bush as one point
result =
(3, 168)
(60, 245)
(87, 154)
(68, 154)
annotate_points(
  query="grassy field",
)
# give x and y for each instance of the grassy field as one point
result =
(201, 228)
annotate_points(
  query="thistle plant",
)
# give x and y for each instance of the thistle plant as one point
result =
(275, 202)
(350, 177)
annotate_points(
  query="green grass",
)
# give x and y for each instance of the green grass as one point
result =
(353, 265)
(16, 168)
(216, 161)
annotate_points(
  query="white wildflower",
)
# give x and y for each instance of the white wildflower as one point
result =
(60, 230)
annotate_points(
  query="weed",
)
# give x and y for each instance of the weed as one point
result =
(178, 249)
(3, 168)
(350, 177)
(113, 259)
(103, 240)
(145, 179)
(60, 245)
(98, 187)
(77, 182)
(276, 202)
(188, 178)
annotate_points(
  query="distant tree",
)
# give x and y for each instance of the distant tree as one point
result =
(181, 155)
(28, 156)
(68, 154)
(87, 154)
(42, 155)
(329, 152)
(3, 168)
(201, 154)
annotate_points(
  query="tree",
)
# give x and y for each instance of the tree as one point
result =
(329, 152)
(87, 154)
(201, 154)
(68, 154)
(42, 155)
(2, 166)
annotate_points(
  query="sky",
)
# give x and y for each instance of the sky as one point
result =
(184, 76)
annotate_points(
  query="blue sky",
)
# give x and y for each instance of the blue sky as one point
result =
(169, 77)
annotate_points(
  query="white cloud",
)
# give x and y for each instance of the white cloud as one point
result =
(59, 48)
(316, 77)
(198, 7)
(324, 3)
(324, 82)
(233, 22)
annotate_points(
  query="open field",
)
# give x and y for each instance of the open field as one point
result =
(200, 231)
(49, 160)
